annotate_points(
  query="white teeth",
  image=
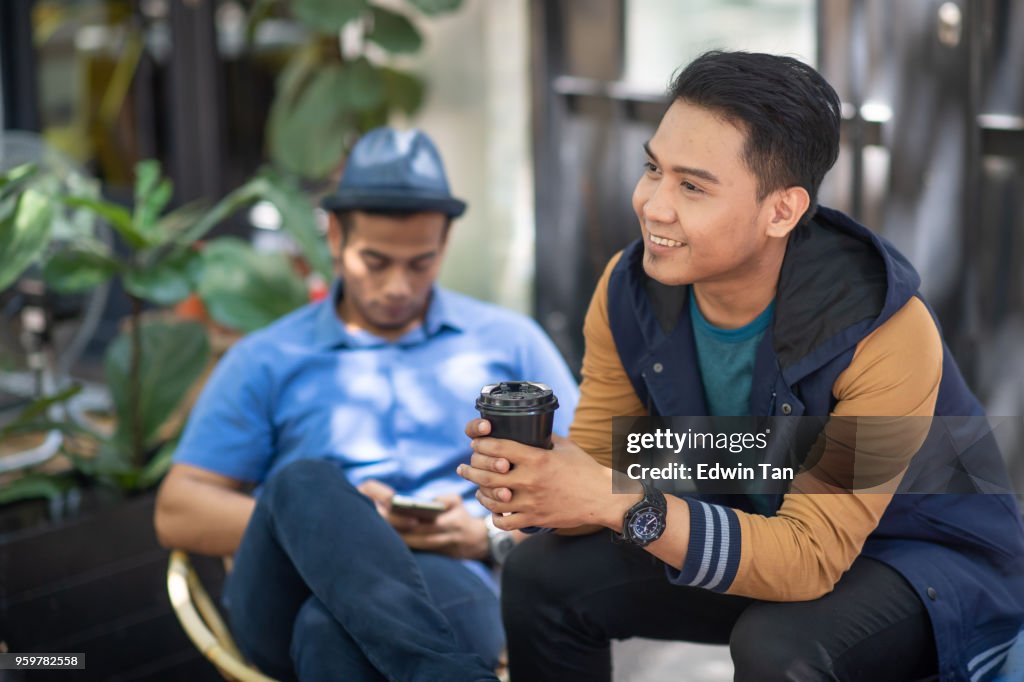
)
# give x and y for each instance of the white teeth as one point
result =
(661, 241)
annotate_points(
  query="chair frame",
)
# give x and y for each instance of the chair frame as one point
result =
(202, 622)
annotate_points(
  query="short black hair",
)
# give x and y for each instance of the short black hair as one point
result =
(346, 221)
(789, 112)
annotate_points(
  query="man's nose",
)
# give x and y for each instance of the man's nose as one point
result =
(658, 208)
(397, 285)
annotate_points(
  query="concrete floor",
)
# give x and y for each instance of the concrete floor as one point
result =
(644, 660)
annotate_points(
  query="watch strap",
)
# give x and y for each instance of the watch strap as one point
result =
(499, 542)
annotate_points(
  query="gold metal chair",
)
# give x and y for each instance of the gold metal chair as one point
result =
(202, 622)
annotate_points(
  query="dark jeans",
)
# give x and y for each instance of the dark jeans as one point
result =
(324, 589)
(565, 598)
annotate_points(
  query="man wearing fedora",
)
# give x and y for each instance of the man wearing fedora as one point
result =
(309, 427)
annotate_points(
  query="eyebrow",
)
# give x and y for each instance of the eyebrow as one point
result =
(687, 170)
(372, 253)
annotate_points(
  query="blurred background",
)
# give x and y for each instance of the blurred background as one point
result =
(539, 107)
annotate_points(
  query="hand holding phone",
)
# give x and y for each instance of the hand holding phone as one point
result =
(424, 510)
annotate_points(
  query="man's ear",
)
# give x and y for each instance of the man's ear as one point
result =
(334, 236)
(785, 209)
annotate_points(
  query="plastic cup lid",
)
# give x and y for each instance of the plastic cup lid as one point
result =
(516, 394)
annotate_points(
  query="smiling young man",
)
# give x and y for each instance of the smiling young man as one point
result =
(743, 297)
(328, 413)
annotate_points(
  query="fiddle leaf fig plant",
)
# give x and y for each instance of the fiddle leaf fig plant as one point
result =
(341, 83)
(163, 257)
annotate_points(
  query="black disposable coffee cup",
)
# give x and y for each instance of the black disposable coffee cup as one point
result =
(523, 411)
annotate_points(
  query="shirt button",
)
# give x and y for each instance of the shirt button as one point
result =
(658, 367)
(932, 594)
(786, 408)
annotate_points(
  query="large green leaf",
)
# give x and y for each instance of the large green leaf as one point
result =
(151, 197)
(8, 207)
(30, 487)
(205, 222)
(167, 282)
(24, 233)
(300, 68)
(158, 466)
(36, 411)
(328, 16)
(246, 290)
(402, 90)
(118, 217)
(394, 32)
(74, 224)
(309, 137)
(174, 354)
(322, 100)
(86, 464)
(147, 175)
(175, 223)
(361, 85)
(368, 120)
(77, 269)
(113, 466)
(112, 463)
(12, 178)
(297, 219)
(436, 6)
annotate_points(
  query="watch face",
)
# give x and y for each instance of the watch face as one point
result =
(506, 544)
(645, 525)
(502, 546)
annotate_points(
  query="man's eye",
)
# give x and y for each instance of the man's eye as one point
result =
(375, 265)
(690, 187)
(650, 167)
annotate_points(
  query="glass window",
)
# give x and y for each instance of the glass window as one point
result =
(662, 35)
(87, 57)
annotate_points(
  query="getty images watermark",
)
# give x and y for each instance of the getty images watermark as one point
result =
(778, 455)
(668, 440)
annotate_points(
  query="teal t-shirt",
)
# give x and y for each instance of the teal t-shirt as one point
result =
(726, 359)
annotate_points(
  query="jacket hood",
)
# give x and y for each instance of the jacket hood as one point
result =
(838, 283)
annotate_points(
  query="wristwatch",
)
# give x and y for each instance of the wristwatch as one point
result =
(644, 522)
(499, 542)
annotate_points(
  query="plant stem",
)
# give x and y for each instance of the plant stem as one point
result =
(135, 383)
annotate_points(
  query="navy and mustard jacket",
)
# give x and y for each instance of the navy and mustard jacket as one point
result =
(851, 337)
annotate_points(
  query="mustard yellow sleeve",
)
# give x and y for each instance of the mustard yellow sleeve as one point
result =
(605, 391)
(800, 553)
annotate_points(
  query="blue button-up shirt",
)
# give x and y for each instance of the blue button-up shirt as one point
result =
(393, 411)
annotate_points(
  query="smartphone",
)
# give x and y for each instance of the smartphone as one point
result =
(424, 510)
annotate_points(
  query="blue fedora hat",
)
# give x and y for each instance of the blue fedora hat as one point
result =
(392, 170)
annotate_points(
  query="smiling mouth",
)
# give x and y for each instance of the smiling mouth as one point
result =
(662, 241)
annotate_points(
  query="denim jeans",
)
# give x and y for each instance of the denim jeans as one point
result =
(324, 589)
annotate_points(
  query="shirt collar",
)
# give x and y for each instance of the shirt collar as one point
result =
(330, 331)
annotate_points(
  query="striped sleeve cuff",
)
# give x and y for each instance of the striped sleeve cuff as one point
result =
(714, 552)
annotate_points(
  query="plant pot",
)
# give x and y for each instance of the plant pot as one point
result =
(96, 584)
